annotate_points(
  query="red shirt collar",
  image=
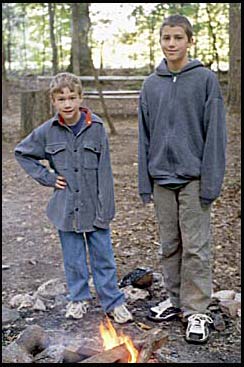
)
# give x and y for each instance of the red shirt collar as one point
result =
(88, 119)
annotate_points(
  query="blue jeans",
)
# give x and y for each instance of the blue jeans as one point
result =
(102, 262)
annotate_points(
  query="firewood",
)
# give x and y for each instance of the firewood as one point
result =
(75, 353)
(117, 354)
(154, 339)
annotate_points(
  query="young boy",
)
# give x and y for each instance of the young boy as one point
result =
(182, 143)
(75, 143)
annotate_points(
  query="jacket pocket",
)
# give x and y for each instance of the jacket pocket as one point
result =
(91, 156)
(57, 155)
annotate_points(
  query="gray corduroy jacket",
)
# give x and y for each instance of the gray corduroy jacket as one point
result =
(182, 129)
(87, 202)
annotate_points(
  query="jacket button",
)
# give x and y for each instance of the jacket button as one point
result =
(76, 209)
(75, 150)
(76, 169)
(77, 190)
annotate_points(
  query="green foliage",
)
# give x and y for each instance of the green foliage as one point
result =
(26, 34)
(148, 25)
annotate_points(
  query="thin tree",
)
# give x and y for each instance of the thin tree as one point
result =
(9, 35)
(81, 53)
(212, 33)
(43, 38)
(5, 103)
(23, 7)
(51, 12)
(234, 85)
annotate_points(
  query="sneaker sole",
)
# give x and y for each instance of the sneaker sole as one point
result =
(167, 318)
(196, 341)
(119, 322)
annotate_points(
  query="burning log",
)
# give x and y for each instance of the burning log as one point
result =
(118, 354)
(73, 353)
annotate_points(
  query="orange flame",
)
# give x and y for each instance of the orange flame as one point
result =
(111, 339)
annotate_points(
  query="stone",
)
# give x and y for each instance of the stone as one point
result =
(9, 315)
(14, 353)
(22, 301)
(51, 288)
(230, 307)
(224, 295)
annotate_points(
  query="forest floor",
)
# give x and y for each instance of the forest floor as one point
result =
(32, 254)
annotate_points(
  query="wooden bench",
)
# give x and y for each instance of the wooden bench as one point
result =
(112, 94)
(108, 94)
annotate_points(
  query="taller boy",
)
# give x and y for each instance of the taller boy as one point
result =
(182, 143)
(75, 143)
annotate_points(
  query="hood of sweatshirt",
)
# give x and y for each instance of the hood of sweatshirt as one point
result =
(162, 68)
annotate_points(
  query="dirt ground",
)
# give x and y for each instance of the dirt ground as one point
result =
(31, 247)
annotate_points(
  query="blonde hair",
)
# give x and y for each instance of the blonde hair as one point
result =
(65, 80)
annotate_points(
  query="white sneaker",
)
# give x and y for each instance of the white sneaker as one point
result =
(77, 309)
(121, 314)
(162, 306)
(197, 330)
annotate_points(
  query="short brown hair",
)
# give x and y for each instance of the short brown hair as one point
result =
(67, 80)
(178, 20)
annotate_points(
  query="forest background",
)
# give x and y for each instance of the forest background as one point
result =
(44, 38)
(120, 39)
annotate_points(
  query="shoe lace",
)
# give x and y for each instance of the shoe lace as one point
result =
(198, 320)
(122, 310)
(78, 306)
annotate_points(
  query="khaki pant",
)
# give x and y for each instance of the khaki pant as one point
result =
(184, 228)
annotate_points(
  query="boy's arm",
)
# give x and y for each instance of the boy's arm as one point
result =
(28, 153)
(214, 160)
(144, 179)
(106, 206)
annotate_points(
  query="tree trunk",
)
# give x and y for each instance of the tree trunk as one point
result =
(234, 85)
(79, 49)
(213, 35)
(23, 5)
(51, 11)
(196, 20)
(5, 104)
(113, 131)
(82, 61)
(151, 49)
(35, 109)
(84, 29)
(76, 44)
(43, 39)
(59, 36)
(9, 41)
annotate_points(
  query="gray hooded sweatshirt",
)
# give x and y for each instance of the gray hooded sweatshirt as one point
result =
(182, 129)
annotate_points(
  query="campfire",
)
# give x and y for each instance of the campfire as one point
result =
(111, 339)
(35, 345)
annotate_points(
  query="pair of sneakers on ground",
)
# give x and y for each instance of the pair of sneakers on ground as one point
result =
(76, 310)
(197, 325)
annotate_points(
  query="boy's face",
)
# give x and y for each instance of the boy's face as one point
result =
(174, 43)
(67, 104)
